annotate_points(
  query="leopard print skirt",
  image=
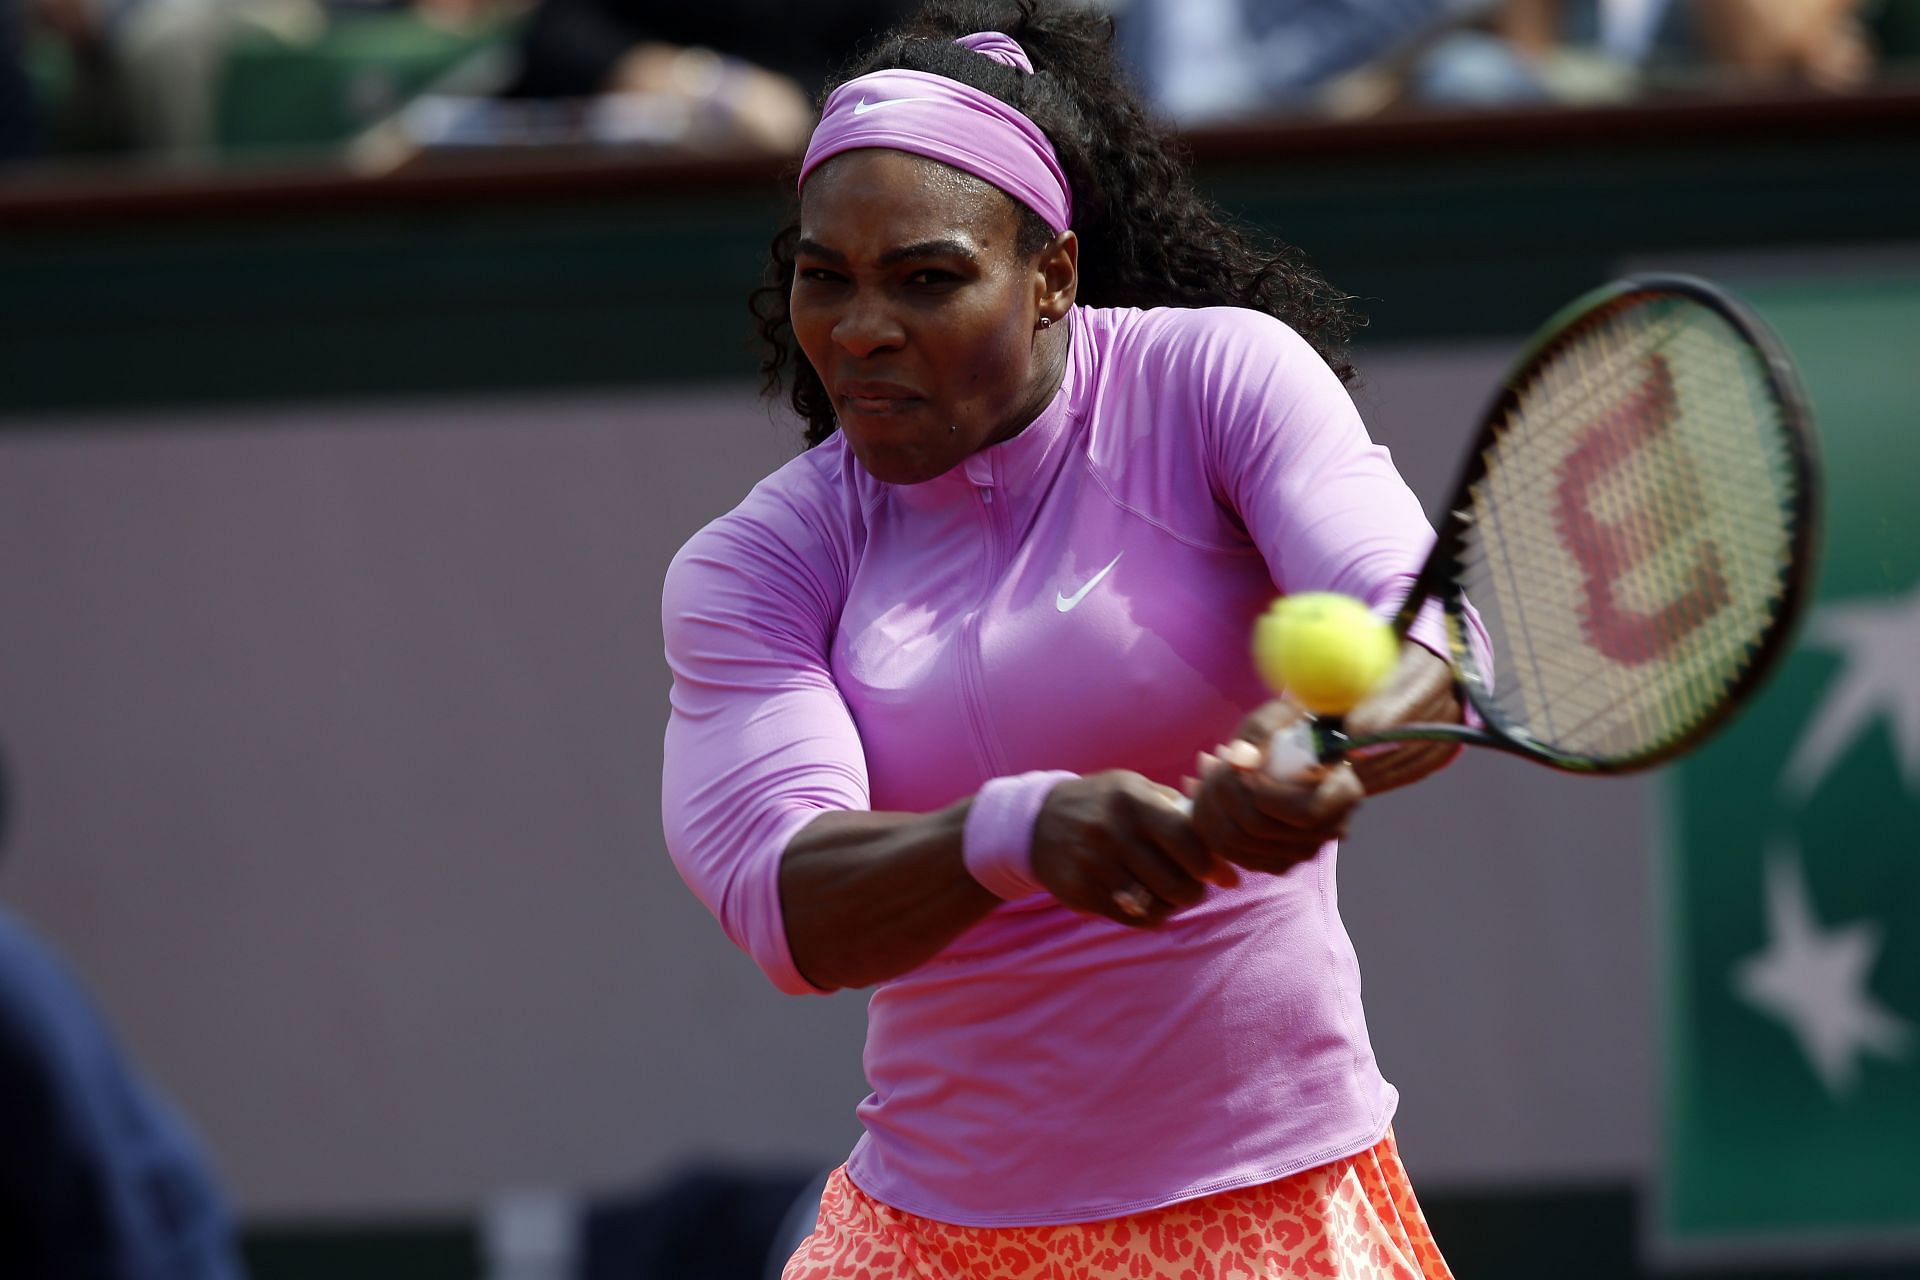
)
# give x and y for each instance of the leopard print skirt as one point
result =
(1353, 1219)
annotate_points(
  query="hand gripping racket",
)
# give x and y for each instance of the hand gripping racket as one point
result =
(1634, 528)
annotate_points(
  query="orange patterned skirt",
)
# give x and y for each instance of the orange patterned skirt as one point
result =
(1353, 1219)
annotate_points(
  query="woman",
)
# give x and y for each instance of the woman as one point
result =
(935, 680)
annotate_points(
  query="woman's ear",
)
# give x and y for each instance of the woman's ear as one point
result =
(1058, 273)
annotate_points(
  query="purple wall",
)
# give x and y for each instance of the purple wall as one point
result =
(335, 735)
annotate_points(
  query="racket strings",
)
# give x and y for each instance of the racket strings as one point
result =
(1631, 530)
(1692, 680)
(1562, 691)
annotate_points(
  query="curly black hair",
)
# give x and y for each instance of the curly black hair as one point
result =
(1147, 239)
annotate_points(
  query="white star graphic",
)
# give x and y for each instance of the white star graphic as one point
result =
(1881, 640)
(1814, 981)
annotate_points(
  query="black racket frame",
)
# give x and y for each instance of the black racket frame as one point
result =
(1440, 576)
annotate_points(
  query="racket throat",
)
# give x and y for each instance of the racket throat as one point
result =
(1330, 740)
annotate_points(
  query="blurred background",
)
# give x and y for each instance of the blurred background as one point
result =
(362, 365)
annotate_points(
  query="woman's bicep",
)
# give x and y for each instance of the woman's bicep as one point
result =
(1292, 458)
(758, 744)
(1321, 500)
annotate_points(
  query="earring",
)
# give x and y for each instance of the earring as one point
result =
(1046, 322)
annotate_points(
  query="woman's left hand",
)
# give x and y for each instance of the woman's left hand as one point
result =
(1271, 824)
(1263, 823)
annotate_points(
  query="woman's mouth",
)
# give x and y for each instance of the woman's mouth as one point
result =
(878, 399)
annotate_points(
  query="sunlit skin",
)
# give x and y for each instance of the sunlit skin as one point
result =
(923, 320)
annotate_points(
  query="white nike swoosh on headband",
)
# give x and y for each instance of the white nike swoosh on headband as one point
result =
(861, 107)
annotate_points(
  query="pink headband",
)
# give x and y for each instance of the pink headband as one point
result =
(953, 123)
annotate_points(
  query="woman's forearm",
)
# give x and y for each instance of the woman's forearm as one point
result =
(869, 896)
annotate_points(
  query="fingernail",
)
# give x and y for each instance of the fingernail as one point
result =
(1240, 753)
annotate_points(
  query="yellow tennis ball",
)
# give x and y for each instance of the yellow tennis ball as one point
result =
(1324, 650)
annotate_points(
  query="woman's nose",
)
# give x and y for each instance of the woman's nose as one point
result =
(868, 327)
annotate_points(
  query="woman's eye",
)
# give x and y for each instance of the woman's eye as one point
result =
(932, 276)
(820, 275)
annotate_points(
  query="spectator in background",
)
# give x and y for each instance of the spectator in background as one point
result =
(99, 1179)
(167, 56)
(146, 72)
(149, 72)
(1203, 61)
(1823, 43)
(1206, 61)
(1578, 51)
(746, 58)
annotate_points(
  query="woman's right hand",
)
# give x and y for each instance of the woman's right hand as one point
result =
(1117, 845)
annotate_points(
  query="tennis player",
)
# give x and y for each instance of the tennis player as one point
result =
(936, 682)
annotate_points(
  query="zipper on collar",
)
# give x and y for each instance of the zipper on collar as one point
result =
(972, 674)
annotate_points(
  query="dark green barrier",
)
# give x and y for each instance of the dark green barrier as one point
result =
(258, 287)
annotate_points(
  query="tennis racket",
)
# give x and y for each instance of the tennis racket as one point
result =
(1635, 529)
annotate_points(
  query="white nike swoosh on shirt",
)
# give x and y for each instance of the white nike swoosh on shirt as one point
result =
(1065, 603)
(861, 107)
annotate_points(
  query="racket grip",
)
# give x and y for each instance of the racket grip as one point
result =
(1292, 750)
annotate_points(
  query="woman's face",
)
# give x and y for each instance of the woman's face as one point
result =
(918, 313)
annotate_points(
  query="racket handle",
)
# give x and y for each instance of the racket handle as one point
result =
(1296, 748)
(1292, 750)
(1305, 743)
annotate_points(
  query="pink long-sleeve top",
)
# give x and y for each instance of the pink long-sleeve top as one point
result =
(1076, 598)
